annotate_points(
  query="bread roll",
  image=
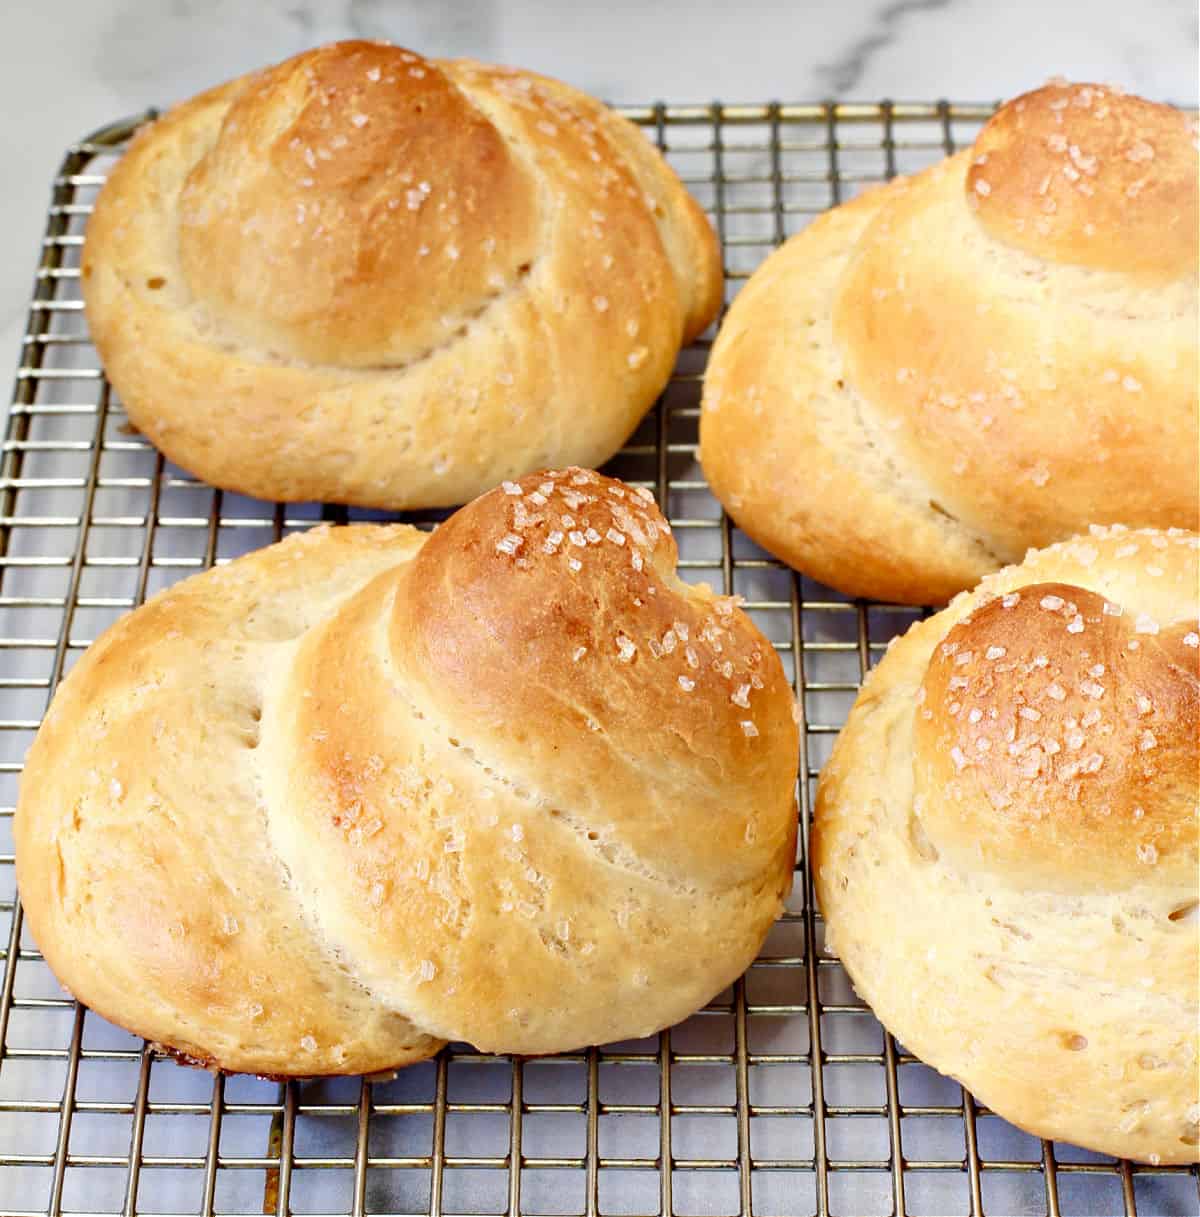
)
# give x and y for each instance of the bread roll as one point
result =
(365, 277)
(366, 790)
(1005, 843)
(991, 355)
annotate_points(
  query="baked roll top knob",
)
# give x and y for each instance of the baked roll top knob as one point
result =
(511, 783)
(1090, 176)
(555, 624)
(1006, 846)
(993, 354)
(363, 207)
(366, 277)
(1057, 741)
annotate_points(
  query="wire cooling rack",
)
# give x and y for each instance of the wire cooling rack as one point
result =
(783, 1097)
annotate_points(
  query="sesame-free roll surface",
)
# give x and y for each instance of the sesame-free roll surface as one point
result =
(366, 277)
(990, 355)
(368, 789)
(1005, 842)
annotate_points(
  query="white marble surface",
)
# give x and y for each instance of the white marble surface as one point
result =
(72, 65)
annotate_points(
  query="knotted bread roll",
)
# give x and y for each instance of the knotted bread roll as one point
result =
(367, 790)
(991, 355)
(1005, 843)
(365, 277)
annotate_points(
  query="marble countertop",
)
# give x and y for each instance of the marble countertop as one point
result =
(73, 65)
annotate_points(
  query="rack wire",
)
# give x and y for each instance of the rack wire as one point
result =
(784, 1096)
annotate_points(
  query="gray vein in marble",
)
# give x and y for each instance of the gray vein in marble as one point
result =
(842, 74)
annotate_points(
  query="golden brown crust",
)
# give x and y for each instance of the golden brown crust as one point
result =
(820, 484)
(593, 565)
(331, 173)
(954, 398)
(1058, 397)
(1053, 725)
(143, 870)
(1022, 914)
(480, 272)
(350, 845)
(1086, 174)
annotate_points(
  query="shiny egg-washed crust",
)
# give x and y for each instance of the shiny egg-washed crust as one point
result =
(365, 277)
(1005, 843)
(366, 790)
(991, 355)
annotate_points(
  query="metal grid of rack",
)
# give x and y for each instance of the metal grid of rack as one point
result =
(784, 1096)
